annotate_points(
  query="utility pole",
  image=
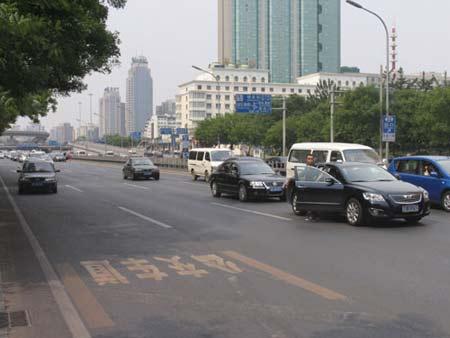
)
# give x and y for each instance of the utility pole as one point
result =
(90, 107)
(381, 112)
(333, 103)
(284, 126)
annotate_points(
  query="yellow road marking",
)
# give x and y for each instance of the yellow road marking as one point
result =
(286, 277)
(92, 312)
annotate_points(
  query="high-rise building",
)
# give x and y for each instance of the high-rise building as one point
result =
(167, 107)
(139, 98)
(111, 113)
(63, 134)
(290, 38)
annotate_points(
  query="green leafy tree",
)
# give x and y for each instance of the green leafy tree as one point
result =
(47, 48)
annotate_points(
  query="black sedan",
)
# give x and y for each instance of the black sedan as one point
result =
(140, 167)
(362, 192)
(248, 178)
(37, 175)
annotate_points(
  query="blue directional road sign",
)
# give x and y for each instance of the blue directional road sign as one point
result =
(166, 131)
(253, 103)
(136, 135)
(389, 128)
(180, 131)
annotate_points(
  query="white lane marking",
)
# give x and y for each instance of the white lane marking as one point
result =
(136, 186)
(73, 188)
(253, 212)
(161, 224)
(66, 307)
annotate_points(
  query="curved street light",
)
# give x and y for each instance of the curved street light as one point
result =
(359, 6)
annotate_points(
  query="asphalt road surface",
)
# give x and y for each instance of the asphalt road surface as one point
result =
(116, 258)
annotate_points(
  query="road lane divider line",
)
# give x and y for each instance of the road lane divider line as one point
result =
(252, 212)
(73, 188)
(151, 220)
(136, 186)
(90, 309)
(71, 317)
(287, 277)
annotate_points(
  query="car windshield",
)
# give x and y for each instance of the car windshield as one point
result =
(221, 155)
(366, 173)
(361, 155)
(41, 167)
(445, 165)
(142, 161)
(255, 168)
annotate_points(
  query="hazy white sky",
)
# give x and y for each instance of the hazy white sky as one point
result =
(175, 34)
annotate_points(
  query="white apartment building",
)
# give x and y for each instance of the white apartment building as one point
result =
(206, 97)
(342, 80)
(157, 122)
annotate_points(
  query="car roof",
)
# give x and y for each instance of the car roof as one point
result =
(327, 146)
(244, 159)
(350, 164)
(423, 157)
(209, 149)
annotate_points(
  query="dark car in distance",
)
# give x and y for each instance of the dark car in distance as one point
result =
(140, 167)
(363, 192)
(37, 175)
(248, 178)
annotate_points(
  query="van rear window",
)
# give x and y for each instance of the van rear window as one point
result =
(298, 155)
(193, 155)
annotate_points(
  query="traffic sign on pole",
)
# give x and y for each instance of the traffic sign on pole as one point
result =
(389, 128)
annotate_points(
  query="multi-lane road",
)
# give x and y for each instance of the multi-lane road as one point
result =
(112, 258)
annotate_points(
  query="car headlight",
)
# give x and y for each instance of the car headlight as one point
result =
(50, 179)
(426, 195)
(372, 197)
(257, 184)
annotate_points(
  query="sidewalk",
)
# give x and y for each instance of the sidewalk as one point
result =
(27, 307)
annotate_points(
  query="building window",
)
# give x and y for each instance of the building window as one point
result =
(319, 28)
(217, 87)
(263, 89)
(245, 89)
(236, 89)
(283, 90)
(198, 87)
(227, 88)
(308, 91)
(208, 87)
(227, 106)
(300, 91)
(339, 83)
(354, 83)
(227, 97)
(227, 78)
(218, 105)
(253, 79)
(347, 83)
(271, 90)
(217, 97)
(217, 78)
(319, 9)
(208, 96)
(292, 90)
(361, 83)
(263, 79)
(254, 89)
(245, 78)
(208, 106)
(236, 79)
(320, 47)
(320, 66)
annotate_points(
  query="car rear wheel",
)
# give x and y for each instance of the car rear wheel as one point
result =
(295, 209)
(206, 176)
(215, 190)
(445, 202)
(354, 212)
(125, 176)
(243, 194)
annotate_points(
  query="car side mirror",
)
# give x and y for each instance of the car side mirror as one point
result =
(434, 174)
(329, 181)
(397, 176)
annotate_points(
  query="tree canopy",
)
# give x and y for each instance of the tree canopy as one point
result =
(46, 50)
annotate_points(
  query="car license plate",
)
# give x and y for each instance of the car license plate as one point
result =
(276, 189)
(410, 208)
(37, 184)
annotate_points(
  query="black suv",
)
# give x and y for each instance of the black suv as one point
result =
(247, 177)
(37, 175)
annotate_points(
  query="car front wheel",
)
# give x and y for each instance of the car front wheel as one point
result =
(215, 190)
(446, 201)
(194, 177)
(354, 212)
(243, 194)
(157, 177)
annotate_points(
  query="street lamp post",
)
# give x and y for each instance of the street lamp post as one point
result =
(359, 6)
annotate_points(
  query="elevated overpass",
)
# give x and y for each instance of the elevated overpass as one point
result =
(15, 137)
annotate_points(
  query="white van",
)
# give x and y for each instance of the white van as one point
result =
(329, 152)
(203, 161)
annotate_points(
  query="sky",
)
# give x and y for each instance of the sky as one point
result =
(176, 34)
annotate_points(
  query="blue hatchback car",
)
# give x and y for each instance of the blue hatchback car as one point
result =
(429, 172)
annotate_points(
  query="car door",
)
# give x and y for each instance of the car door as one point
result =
(318, 190)
(409, 171)
(219, 176)
(233, 178)
(199, 168)
(431, 181)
